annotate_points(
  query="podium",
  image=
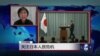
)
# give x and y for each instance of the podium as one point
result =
(63, 33)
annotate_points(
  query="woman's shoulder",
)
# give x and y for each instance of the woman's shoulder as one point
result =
(17, 22)
(29, 21)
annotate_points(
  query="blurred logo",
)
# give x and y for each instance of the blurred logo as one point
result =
(85, 47)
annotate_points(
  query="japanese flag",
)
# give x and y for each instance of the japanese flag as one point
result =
(44, 23)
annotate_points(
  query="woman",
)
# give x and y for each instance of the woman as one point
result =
(23, 14)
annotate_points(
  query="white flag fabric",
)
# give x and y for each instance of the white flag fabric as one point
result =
(44, 23)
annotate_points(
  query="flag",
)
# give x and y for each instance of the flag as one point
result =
(44, 23)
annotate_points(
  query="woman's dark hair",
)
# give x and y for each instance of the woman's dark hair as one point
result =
(22, 8)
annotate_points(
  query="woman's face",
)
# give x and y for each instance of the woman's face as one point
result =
(23, 15)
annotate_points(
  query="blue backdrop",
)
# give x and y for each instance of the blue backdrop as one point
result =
(10, 35)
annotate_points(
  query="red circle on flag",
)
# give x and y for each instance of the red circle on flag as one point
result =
(45, 22)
